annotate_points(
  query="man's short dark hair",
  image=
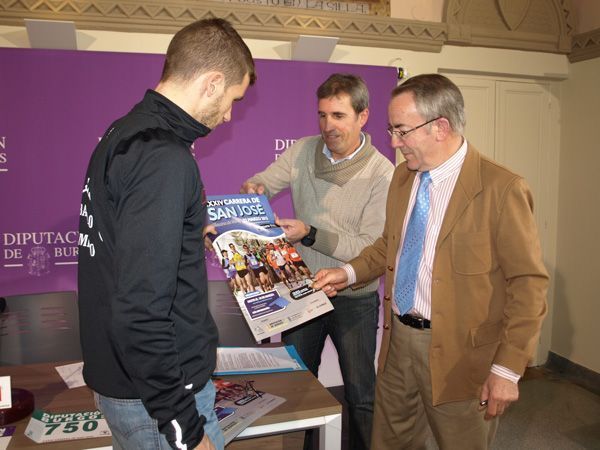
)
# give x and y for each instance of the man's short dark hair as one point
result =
(346, 83)
(436, 96)
(206, 45)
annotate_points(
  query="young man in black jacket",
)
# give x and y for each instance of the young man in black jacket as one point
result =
(148, 339)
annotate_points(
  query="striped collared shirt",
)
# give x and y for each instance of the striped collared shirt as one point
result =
(443, 180)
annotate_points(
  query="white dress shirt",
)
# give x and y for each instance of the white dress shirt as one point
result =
(329, 155)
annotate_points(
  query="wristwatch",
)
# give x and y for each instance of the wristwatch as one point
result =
(309, 239)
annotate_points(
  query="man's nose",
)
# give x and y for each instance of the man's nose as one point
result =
(227, 116)
(397, 141)
(328, 123)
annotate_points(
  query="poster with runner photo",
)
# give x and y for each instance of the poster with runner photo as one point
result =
(266, 274)
(238, 405)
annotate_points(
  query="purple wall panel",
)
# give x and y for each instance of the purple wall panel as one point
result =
(54, 106)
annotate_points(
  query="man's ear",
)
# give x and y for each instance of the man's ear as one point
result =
(363, 116)
(214, 83)
(443, 129)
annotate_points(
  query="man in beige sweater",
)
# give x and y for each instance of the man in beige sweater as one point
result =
(339, 183)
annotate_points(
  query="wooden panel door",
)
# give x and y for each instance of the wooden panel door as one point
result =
(480, 109)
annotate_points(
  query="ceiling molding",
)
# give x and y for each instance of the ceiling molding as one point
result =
(545, 25)
(467, 22)
(254, 22)
(586, 46)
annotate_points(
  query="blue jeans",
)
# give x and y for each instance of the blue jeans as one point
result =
(132, 427)
(352, 326)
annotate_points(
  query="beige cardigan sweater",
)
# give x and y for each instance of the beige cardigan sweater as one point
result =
(349, 214)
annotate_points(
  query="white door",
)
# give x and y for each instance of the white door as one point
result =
(516, 122)
(480, 109)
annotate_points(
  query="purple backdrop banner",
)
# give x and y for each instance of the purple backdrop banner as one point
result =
(55, 105)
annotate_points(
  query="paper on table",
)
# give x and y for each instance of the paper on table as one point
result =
(72, 374)
(5, 435)
(239, 360)
(5, 393)
(45, 426)
(239, 405)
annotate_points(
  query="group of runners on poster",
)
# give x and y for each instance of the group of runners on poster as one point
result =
(251, 264)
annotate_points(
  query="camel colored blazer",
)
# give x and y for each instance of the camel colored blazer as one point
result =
(489, 283)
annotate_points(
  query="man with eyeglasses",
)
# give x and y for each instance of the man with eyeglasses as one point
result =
(465, 284)
(339, 183)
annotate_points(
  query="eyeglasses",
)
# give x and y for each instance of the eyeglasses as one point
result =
(250, 389)
(400, 133)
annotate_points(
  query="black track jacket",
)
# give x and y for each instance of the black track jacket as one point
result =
(146, 331)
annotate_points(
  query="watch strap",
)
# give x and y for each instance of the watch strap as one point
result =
(310, 238)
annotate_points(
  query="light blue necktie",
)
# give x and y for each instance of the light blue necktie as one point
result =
(412, 248)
